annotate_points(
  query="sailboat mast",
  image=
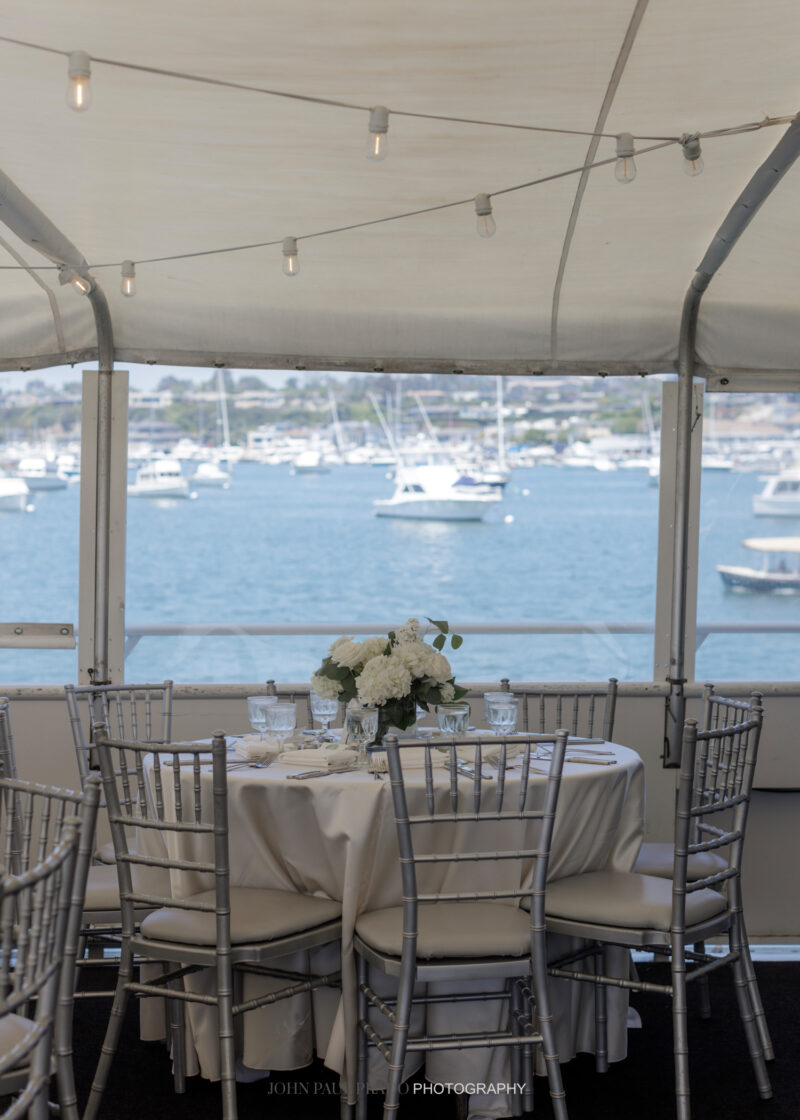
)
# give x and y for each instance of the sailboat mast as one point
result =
(223, 408)
(501, 435)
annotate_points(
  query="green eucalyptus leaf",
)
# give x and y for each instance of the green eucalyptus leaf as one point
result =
(438, 642)
(456, 640)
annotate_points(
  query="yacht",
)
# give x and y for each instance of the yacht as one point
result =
(213, 474)
(780, 496)
(434, 493)
(41, 474)
(14, 494)
(160, 478)
(310, 462)
(779, 571)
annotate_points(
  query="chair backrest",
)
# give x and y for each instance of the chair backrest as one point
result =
(722, 711)
(168, 810)
(583, 710)
(498, 830)
(716, 781)
(131, 711)
(8, 760)
(47, 844)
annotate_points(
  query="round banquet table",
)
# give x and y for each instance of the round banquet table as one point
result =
(334, 836)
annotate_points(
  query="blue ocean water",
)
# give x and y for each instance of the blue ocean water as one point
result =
(564, 545)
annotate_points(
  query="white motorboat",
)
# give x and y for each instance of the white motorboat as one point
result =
(41, 474)
(310, 462)
(779, 571)
(432, 493)
(14, 494)
(160, 478)
(780, 496)
(211, 473)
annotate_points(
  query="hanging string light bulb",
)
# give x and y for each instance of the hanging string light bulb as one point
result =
(291, 266)
(625, 167)
(128, 284)
(484, 221)
(378, 139)
(80, 281)
(79, 86)
(693, 161)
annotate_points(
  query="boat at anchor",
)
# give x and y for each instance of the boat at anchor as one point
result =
(779, 571)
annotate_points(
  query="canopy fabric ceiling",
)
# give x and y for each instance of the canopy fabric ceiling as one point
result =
(579, 277)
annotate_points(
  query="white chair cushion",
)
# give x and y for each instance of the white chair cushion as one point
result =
(105, 853)
(451, 930)
(256, 915)
(14, 1029)
(102, 888)
(657, 859)
(619, 898)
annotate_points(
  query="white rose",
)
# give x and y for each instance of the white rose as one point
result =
(347, 653)
(439, 667)
(325, 687)
(371, 647)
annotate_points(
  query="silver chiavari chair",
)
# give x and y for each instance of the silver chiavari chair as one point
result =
(612, 908)
(169, 818)
(583, 710)
(46, 836)
(470, 851)
(658, 858)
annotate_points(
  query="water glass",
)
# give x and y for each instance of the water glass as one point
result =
(323, 710)
(453, 719)
(360, 729)
(256, 707)
(281, 719)
(501, 713)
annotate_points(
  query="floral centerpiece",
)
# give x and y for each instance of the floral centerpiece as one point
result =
(395, 673)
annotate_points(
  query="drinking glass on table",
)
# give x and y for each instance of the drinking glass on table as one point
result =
(281, 719)
(453, 719)
(323, 710)
(360, 729)
(501, 712)
(256, 708)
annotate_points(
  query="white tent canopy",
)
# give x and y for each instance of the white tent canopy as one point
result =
(584, 274)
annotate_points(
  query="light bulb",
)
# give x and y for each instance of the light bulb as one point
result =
(484, 221)
(80, 282)
(692, 159)
(128, 283)
(291, 265)
(625, 167)
(79, 87)
(377, 139)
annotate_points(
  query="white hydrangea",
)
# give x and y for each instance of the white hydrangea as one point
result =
(383, 678)
(347, 653)
(371, 647)
(447, 693)
(439, 667)
(326, 687)
(416, 656)
(410, 631)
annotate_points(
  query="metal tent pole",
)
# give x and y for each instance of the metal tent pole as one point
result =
(32, 226)
(761, 185)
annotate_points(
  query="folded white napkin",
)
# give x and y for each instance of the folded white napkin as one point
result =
(252, 748)
(320, 758)
(412, 758)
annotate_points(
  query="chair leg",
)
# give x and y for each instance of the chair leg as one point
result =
(544, 1015)
(755, 1000)
(519, 1056)
(227, 1055)
(113, 1032)
(680, 1033)
(402, 1024)
(361, 1069)
(748, 1018)
(175, 1015)
(702, 983)
(600, 1018)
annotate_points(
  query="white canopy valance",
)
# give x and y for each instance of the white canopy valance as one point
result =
(583, 274)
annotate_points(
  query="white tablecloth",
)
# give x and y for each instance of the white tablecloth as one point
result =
(335, 836)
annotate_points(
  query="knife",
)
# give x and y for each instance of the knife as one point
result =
(323, 773)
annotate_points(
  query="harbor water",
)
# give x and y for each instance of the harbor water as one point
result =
(564, 545)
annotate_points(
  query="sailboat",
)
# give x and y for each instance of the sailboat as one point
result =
(215, 472)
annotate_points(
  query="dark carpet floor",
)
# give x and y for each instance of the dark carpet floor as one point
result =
(639, 1088)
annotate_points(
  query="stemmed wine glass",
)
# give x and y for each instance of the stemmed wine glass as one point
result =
(323, 710)
(360, 729)
(281, 719)
(256, 708)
